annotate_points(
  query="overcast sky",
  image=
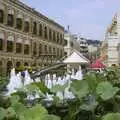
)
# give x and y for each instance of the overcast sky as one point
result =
(89, 18)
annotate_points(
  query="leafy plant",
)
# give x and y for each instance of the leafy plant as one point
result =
(106, 90)
(112, 116)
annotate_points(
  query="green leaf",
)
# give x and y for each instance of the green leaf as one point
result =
(80, 88)
(92, 81)
(32, 87)
(59, 88)
(2, 113)
(106, 90)
(35, 113)
(51, 117)
(15, 99)
(19, 108)
(90, 107)
(112, 116)
(10, 113)
(42, 87)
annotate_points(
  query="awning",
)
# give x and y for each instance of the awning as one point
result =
(76, 58)
(97, 64)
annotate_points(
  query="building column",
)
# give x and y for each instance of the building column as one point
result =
(23, 47)
(5, 14)
(31, 25)
(43, 31)
(5, 41)
(15, 38)
(15, 16)
(48, 34)
(51, 35)
(30, 48)
(4, 64)
(37, 47)
(37, 29)
(23, 19)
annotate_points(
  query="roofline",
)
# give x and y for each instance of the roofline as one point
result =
(36, 12)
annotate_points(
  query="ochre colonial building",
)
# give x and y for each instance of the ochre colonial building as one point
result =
(27, 37)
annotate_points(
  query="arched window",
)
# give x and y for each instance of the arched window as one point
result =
(57, 52)
(40, 30)
(54, 36)
(10, 44)
(61, 53)
(50, 34)
(45, 32)
(9, 66)
(1, 40)
(1, 16)
(10, 20)
(57, 37)
(19, 23)
(26, 47)
(61, 39)
(26, 26)
(10, 17)
(34, 28)
(40, 49)
(19, 45)
(54, 52)
(1, 68)
(34, 49)
(46, 51)
(50, 50)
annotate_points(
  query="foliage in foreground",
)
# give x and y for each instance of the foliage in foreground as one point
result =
(97, 97)
(18, 111)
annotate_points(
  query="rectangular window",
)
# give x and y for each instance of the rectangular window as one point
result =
(34, 49)
(18, 47)
(50, 50)
(45, 33)
(46, 49)
(26, 26)
(54, 36)
(1, 44)
(50, 34)
(1, 16)
(19, 23)
(26, 49)
(10, 20)
(40, 49)
(9, 46)
(34, 28)
(40, 30)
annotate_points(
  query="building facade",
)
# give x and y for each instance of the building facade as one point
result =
(112, 42)
(103, 52)
(71, 43)
(83, 46)
(93, 49)
(27, 37)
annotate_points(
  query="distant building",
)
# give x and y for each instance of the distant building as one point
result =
(111, 44)
(83, 46)
(90, 48)
(103, 52)
(93, 45)
(71, 43)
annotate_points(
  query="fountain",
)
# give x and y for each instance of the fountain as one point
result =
(18, 81)
(15, 82)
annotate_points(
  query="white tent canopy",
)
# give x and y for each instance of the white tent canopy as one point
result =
(76, 58)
